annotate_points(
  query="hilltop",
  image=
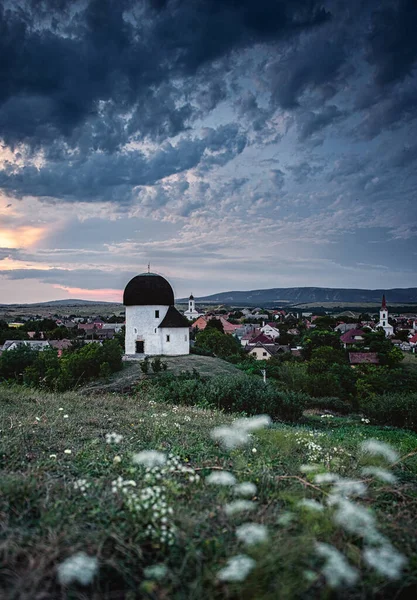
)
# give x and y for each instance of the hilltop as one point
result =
(299, 295)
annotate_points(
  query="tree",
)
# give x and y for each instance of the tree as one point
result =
(325, 322)
(220, 344)
(315, 338)
(215, 324)
(14, 362)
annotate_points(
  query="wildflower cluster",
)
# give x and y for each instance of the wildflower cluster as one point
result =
(113, 438)
(79, 568)
(342, 500)
(239, 434)
(82, 485)
(314, 451)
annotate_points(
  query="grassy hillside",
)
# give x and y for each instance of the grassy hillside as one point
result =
(60, 495)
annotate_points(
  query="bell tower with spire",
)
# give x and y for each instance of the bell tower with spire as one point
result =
(383, 318)
(192, 313)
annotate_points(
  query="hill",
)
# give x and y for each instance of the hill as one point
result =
(299, 295)
(70, 486)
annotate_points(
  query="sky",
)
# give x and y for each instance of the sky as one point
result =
(233, 145)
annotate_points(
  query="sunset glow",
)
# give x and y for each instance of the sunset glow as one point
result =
(21, 237)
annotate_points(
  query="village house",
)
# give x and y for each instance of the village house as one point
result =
(352, 337)
(363, 358)
(33, 344)
(270, 330)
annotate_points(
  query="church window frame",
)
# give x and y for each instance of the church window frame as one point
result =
(168, 338)
(156, 314)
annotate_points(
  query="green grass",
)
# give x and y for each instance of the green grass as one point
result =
(45, 520)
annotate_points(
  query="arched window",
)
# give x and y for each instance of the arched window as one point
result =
(135, 330)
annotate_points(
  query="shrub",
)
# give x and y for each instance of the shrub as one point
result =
(399, 410)
(232, 394)
(144, 366)
(156, 365)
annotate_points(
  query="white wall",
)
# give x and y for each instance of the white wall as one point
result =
(142, 318)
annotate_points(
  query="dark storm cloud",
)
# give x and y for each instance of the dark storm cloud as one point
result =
(112, 177)
(54, 75)
(393, 40)
(310, 122)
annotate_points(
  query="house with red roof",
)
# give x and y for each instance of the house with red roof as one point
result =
(354, 336)
(363, 358)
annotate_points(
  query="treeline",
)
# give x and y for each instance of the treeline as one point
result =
(46, 370)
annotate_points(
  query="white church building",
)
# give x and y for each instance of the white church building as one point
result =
(153, 324)
(383, 319)
(192, 313)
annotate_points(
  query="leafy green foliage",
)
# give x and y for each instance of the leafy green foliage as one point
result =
(232, 394)
(220, 344)
(399, 410)
(316, 338)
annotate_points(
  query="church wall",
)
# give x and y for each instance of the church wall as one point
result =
(143, 319)
(179, 341)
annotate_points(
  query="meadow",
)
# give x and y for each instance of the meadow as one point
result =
(247, 511)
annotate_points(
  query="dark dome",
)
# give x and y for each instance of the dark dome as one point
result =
(148, 289)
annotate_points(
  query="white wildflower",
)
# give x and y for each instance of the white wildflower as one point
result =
(237, 568)
(65, 416)
(230, 437)
(52, 456)
(336, 569)
(117, 459)
(252, 423)
(380, 473)
(246, 488)
(60, 409)
(356, 519)
(149, 458)
(157, 572)
(252, 533)
(310, 503)
(309, 468)
(237, 506)
(79, 568)
(349, 487)
(326, 478)
(221, 478)
(67, 451)
(365, 420)
(187, 418)
(377, 448)
(385, 560)
(254, 451)
(37, 418)
(113, 438)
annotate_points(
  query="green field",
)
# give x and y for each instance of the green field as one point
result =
(49, 442)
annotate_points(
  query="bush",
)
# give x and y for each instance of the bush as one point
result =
(156, 365)
(398, 410)
(232, 394)
(200, 351)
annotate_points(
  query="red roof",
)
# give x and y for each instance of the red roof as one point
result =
(261, 339)
(413, 340)
(349, 336)
(363, 358)
(384, 304)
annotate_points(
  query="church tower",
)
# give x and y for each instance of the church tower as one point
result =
(192, 313)
(383, 318)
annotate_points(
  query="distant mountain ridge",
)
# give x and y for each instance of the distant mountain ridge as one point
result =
(304, 295)
(70, 302)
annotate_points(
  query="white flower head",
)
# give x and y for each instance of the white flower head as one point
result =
(246, 488)
(149, 458)
(113, 438)
(238, 506)
(326, 478)
(157, 572)
(79, 568)
(67, 451)
(385, 560)
(377, 448)
(249, 424)
(237, 568)
(311, 504)
(379, 473)
(221, 478)
(336, 569)
(349, 488)
(355, 519)
(230, 437)
(252, 533)
(117, 459)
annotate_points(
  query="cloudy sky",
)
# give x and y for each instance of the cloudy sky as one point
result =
(234, 144)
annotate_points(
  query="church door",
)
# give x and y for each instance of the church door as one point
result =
(140, 347)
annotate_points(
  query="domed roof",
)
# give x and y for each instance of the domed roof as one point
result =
(148, 289)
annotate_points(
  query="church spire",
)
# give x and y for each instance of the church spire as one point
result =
(384, 304)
